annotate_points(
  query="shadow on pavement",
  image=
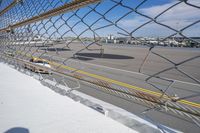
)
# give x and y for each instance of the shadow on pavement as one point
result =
(55, 49)
(17, 130)
(82, 58)
(105, 56)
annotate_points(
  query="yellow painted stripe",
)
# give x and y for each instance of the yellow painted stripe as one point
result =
(135, 87)
(197, 105)
(193, 104)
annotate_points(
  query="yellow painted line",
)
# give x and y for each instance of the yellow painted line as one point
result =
(123, 84)
(197, 105)
(117, 82)
(135, 87)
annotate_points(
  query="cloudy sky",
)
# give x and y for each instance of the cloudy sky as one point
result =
(178, 17)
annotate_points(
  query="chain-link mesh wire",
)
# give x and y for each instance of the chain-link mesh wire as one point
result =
(124, 47)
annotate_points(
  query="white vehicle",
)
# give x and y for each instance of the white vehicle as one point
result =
(9, 53)
(40, 62)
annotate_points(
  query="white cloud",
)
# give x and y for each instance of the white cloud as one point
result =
(177, 17)
(179, 12)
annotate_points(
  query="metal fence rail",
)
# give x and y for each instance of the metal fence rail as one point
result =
(60, 31)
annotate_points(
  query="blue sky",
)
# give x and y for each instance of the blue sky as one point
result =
(177, 17)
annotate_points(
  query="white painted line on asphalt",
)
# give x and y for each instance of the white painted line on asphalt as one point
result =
(133, 72)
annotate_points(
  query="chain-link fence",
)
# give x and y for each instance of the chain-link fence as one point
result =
(128, 48)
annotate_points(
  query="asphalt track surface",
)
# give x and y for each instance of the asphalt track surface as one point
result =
(121, 63)
(129, 58)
